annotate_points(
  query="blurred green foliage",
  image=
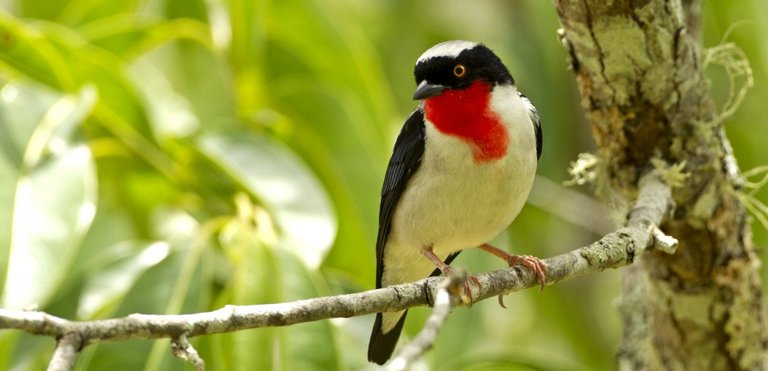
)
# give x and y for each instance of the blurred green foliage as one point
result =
(173, 156)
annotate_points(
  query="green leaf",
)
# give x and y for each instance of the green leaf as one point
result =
(53, 203)
(283, 184)
(129, 37)
(16, 128)
(49, 223)
(122, 267)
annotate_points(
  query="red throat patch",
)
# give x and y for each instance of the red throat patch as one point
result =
(465, 113)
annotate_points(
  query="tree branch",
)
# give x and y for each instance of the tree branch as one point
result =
(448, 295)
(615, 249)
(183, 349)
(65, 354)
(640, 70)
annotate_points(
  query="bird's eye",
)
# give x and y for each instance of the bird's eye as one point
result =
(459, 71)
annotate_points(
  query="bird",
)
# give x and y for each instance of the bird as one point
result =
(460, 172)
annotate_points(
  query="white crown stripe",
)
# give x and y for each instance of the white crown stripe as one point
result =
(447, 49)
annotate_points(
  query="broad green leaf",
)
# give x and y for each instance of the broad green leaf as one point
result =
(284, 184)
(105, 287)
(53, 204)
(170, 113)
(16, 128)
(179, 79)
(48, 224)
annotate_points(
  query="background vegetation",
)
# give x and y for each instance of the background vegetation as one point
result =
(173, 156)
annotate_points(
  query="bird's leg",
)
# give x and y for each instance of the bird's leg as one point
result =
(446, 269)
(533, 263)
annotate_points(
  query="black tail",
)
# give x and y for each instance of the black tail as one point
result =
(381, 345)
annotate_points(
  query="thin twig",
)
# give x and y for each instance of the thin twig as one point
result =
(65, 354)
(183, 349)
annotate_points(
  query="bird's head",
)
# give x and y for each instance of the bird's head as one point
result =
(457, 65)
(457, 81)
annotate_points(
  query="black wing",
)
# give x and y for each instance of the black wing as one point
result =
(534, 115)
(405, 160)
(537, 126)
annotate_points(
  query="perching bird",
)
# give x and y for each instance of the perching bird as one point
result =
(459, 174)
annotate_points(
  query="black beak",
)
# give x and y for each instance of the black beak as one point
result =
(426, 90)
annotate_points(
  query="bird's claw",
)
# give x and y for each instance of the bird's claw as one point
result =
(501, 301)
(533, 263)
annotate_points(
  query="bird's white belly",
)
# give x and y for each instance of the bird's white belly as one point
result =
(453, 203)
(449, 211)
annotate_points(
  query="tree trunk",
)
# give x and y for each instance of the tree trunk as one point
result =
(638, 65)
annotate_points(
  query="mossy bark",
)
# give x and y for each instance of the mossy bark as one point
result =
(638, 66)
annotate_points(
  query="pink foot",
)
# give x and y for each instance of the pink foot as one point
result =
(533, 264)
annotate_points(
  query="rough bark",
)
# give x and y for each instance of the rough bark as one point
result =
(638, 66)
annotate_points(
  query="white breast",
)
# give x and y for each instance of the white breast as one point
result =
(452, 202)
